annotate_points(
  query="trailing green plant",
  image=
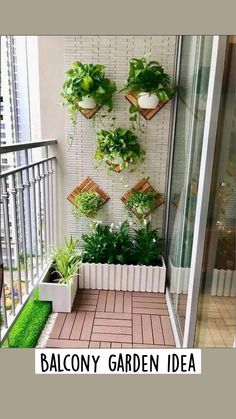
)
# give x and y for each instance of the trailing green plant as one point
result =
(87, 203)
(106, 245)
(85, 80)
(119, 146)
(147, 246)
(142, 202)
(66, 261)
(148, 77)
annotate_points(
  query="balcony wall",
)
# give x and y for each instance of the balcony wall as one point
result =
(56, 54)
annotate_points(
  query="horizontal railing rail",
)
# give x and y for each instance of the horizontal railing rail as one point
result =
(27, 202)
(25, 146)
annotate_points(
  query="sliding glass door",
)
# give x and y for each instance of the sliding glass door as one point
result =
(195, 62)
(216, 316)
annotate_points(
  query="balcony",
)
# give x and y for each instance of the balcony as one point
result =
(99, 318)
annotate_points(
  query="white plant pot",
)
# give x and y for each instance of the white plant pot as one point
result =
(61, 295)
(147, 100)
(107, 276)
(87, 102)
(179, 278)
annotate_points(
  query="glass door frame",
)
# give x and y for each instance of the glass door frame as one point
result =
(205, 177)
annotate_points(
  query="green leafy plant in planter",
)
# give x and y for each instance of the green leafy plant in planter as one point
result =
(106, 245)
(149, 82)
(66, 261)
(123, 245)
(118, 147)
(141, 203)
(147, 246)
(88, 204)
(86, 87)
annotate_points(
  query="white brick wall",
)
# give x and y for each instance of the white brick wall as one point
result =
(115, 52)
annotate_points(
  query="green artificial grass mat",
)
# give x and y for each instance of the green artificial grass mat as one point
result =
(28, 327)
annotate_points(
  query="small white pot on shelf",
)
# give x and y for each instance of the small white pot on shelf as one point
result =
(87, 102)
(147, 100)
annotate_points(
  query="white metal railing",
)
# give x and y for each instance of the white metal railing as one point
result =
(27, 194)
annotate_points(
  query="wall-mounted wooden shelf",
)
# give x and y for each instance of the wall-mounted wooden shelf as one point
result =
(142, 186)
(89, 113)
(146, 113)
(88, 185)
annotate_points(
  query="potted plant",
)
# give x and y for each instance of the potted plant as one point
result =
(121, 259)
(142, 203)
(86, 87)
(118, 147)
(87, 203)
(149, 82)
(61, 282)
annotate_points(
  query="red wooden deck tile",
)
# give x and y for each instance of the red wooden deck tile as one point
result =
(94, 344)
(110, 301)
(87, 297)
(119, 302)
(167, 331)
(56, 330)
(160, 299)
(149, 305)
(157, 330)
(66, 343)
(112, 322)
(147, 294)
(137, 329)
(85, 291)
(159, 311)
(117, 344)
(87, 326)
(105, 345)
(78, 325)
(102, 301)
(147, 329)
(86, 301)
(67, 326)
(145, 345)
(127, 345)
(127, 302)
(121, 316)
(85, 307)
(106, 337)
(112, 329)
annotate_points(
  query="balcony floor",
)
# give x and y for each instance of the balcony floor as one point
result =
(114, 319)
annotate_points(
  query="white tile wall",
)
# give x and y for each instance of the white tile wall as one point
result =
(115, 52)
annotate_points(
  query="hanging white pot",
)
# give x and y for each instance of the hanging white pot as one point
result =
(87, 102)
(147, 100)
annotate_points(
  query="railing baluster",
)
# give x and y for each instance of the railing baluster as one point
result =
(20, 188)
(52, 201)
(47, 174)
(5, 199)
(34, 206)
(28, 207)
(13, 192)
(43, 177)
(38, 178)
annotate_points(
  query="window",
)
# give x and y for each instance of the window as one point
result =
(3, 135)
(2, 126)
(4, 161)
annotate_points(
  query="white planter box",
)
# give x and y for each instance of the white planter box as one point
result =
(179, 278)
(107, 276)
(61, 295)
(223, 283)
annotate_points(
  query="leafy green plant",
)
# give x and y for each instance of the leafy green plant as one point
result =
(147, 77)
(147, 246)
(66, 261)
(119, 146)
(105, 245)
(142, 202)
(123, 245)
(87, 80)
(87, 203)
